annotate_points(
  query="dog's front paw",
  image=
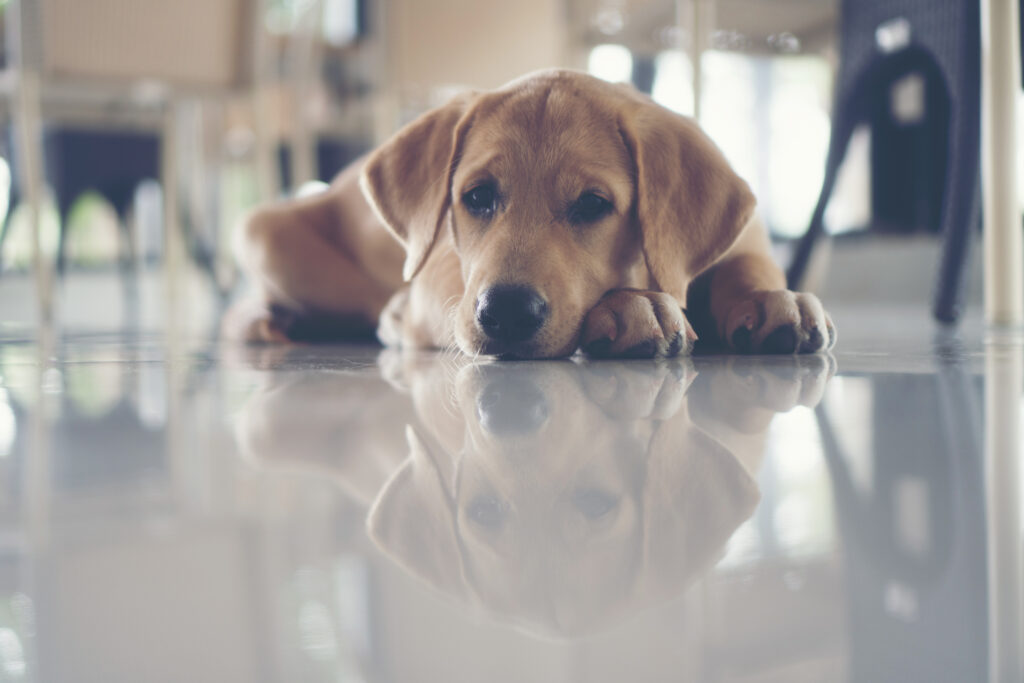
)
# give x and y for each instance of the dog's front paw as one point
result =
(629, 323)
(256, 322)
(779, 321)
(391, 325)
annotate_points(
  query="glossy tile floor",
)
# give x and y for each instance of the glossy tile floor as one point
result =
(174, 510)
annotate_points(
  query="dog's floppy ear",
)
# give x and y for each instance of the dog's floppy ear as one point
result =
(690, 204)
(407, 180)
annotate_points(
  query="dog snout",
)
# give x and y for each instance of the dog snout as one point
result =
(511, 313)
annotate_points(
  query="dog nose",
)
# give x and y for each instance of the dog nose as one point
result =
(510, 313)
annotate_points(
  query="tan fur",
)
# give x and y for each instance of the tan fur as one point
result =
(616, 286)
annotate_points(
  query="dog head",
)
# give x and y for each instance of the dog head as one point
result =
(554, 190)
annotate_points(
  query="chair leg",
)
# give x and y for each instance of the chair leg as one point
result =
(268, 177)
(28, 118)
(956, 248)
(172, 248)
(797, 269)
(960, 209)
(127, 265)
(849, 110)
(5, 226)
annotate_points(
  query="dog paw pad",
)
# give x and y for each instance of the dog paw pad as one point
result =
(741, 338)
(598, 348)
(645, 349)
(780, 340)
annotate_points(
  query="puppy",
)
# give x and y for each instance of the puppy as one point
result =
(557, 213)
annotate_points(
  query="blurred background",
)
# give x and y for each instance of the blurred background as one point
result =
(144, 129)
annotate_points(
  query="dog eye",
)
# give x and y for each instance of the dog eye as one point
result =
(481, 201)
(589, 208)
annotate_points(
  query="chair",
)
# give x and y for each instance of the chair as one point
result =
(882, 42)
(106, 56)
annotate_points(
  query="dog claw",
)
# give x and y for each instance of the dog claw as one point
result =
(813, 342)
(675, 345)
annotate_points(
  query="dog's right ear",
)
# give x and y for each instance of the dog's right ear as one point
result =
(408, 179)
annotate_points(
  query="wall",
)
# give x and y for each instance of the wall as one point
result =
(471, 42)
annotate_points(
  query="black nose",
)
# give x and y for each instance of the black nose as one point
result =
(510, 313)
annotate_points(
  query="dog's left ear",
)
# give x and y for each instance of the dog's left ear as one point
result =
(407, 179)
(690, 203)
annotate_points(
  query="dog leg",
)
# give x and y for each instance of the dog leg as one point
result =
(251, 320)
(391, 328)
(630, 323)
(305, 281)
(420, 314)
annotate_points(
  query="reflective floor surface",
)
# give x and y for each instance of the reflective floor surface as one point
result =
(186, 511)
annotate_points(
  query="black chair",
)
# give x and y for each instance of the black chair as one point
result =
(112, 163)
(942, 47)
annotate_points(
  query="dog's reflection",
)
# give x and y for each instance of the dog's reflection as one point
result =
(563, 496)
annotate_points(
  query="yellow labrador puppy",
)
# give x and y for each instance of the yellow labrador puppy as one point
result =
(557, 213)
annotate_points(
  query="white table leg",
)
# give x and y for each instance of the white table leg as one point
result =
(1004, 247)
(697, 17)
